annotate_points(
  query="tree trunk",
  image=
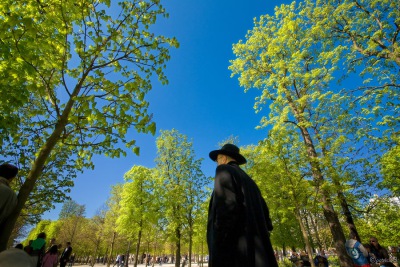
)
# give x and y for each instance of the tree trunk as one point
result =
(284, 250)
(316, 231)
(127, 255)
(347, 213)
(190, 245)
(95, 252)
(112, 250)
(307, 225)
(202, 254)
(342, 198)
(305, 235)
(178, 247)
(8, 225)
(328, 210)
(138, 245)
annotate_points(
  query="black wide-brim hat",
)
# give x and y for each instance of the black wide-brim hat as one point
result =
(228, 150)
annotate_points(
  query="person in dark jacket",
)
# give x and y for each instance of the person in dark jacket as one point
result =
(65, 255)
(238, 218)
(381, 255)
(8, 198)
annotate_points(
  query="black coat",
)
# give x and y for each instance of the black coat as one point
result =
(66, 254)
(238, 222)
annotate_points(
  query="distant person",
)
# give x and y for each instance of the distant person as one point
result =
(8, 198)
(358, 253)
(117, 260)
(15, 257)
(50, 259)
(51, 244)
(305, 259)
(65, 255)
(321, 261)
(238, 217)
(371, 257)
(38, 247)
(380, 253)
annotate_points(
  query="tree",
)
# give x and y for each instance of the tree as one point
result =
(40, 228)
(110, 223)
(72, 216)
(138, 205)
(200, 229)
(281, 59)
(382, 221)
(181, 186)
(70, 209)
(93, 234)
(89, 81)
(277, 164)
(367, 31)
(390, 163)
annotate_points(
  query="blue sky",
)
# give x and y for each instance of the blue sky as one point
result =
(200, 101)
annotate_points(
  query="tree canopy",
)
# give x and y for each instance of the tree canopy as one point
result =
(89, 66)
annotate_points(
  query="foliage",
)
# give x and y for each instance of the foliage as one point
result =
(71, 208)
(180, 186)
(333, 261)
(282, 186)
(89, 70)
(368, 30)
(56, 178)
(382, 221)
(110, 222)
(390, 169)
(40, 228)
(137, 200)
(72, 217)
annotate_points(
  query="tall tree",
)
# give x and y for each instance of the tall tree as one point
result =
(280, 57)
(278, 165)
(181, 185)
(110, 224)
(382, 221)
(369, 33)
(71, 208)
(72, 217)
(138, 205)
(89, 80)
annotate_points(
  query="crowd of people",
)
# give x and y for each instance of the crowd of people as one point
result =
(370, 254)
(38, 254)
(302, 259)
(150, 260)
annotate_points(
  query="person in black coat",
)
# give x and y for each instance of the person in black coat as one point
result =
(65, 255)
(238, 217)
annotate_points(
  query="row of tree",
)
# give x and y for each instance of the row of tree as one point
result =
(163, 210)
(155, 210)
